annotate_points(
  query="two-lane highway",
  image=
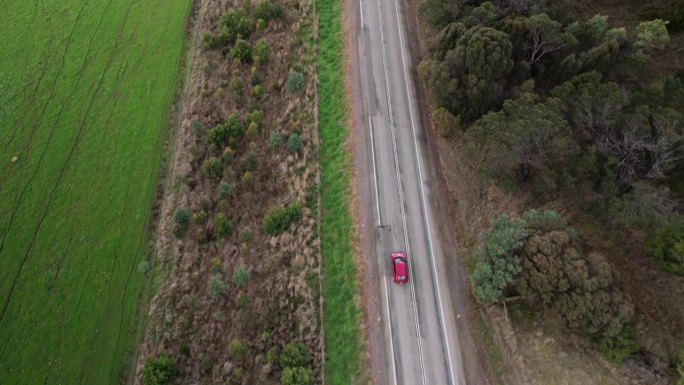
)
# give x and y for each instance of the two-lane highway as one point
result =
(421, 338)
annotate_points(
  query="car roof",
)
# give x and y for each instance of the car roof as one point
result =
(400, 267)
(398, 254)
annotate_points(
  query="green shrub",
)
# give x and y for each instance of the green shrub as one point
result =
(213, 168)
(258, 92)
(236, 375)
(242, 51)
(216, 287)
(181, 216)
(247, 179)
(255, 117)
(246, 234)
(241, 299)
(261, 51)
(222, 226)
(237, 350)
(667, 247)
(240, 276)
(160, 370)
(144, 267)
(275, 139)
(295, 81)
(197, 127)
(225, 190)
(235, 24)
(250, 162)
(618, 347)
(267, 10)
(199, 217)
(296, 376)
(230, 129)
(280, 218)
(294, 354)
(295, 142)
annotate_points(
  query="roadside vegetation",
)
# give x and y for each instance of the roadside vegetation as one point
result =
(241, 304)
(556, 106)
(86, 89)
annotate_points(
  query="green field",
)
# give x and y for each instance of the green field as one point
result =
(85, 93)
(340, 289)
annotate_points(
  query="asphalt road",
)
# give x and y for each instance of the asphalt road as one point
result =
(420, 330)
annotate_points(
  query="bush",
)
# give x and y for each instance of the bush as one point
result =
(237, 350)
(236, 375)
(295, 81)
(246, 234)
(261, 51)
(222, 226)
(275, 139)
(235, 24)
(144, 267)
(267, 10)
(199, 217)
(242, 51)
(160, 370)
(241, 299)
(230, 129)
(216, 287)
(213, 168)
(294, 354)
(240, 276)
(225, 189)
(667, 247)
(250, 162)
(280, 218)
(181, 216)
(295, 376)
(619, 347)
(295, 142)
(258, 91)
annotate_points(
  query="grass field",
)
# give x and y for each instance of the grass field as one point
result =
(341, 315)
(85, 93)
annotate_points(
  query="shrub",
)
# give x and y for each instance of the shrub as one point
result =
(257, 91)
(246, 234)
(144, 267)
(619, 347)
(294, 354)
(242, 51)
(230, 129)
(197, 127)
(225, 189)
(160, 370)
(267, 10)
(255, 117)
(213, 168)
(235, 24)
(199, 217)
(261, 51)
(295, 81)
(295, 142)
(216, 287)
(247, 179)
(240, 276)
(222, 226)
(280, 218)
(667, 247)
(236, 375)
(275, 139)
(181, 216)
(241, 299)
(295, 376)
(237, 350)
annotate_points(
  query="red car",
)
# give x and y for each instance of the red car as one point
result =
(400, 267)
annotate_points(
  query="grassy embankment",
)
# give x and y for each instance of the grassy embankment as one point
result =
(342, 314)
(86, 88)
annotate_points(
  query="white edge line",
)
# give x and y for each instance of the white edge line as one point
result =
(422, 190)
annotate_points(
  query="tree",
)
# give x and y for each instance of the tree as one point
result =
(216, 286)
(666, 245)
(652, 34)
(498, 258)
(439, 13)
(296, 376)
(545, 36)
(279, 218)
(242, 51)
(237, 350)
(222, 226)
(295, 81)
(472, 77)
(160, 370)
(235, 24)
(213, 168)
(525, 135)
(294, 354)
(240, 275)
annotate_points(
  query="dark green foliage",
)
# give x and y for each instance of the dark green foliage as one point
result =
(256, 117)
(267, 10)
(448, 38)
(160, 370)
(181, 216)
(444, 121)
(296, 376)
(652, 35)
(235, 24)
(667, 247)
(231, 129)
(250, 162)
(295, 81)
(275, 139)
(199, 217)
(213, 168)
(295, 142)
(216, 287)
(294, 354)
(242, 51)
(222, 226)
(483, 15)
(498, 258)
(472, 77)
(620, 346)
(280, 218)
(439, 13)
(546, 37)
(526, 137)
